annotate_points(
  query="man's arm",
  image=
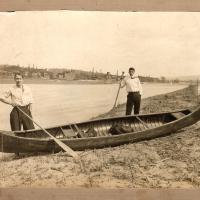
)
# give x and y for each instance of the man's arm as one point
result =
(8, 102)
(31, 100)
(4, 98)
(31, 107)
(140, 87)
(123, 83)
(5, 101)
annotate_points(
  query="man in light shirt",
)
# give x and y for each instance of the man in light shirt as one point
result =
(19, 95)
(134, 90)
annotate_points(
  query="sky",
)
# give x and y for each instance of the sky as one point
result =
(154, 43)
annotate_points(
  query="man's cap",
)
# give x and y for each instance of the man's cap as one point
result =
(131, 68)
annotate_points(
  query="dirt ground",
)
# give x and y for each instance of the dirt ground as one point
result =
(168, 162)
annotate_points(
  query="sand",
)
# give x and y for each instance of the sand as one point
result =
(168, 162)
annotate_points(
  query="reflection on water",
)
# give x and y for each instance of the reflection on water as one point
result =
(60, 104)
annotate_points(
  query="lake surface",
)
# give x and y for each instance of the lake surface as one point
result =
(60, 104)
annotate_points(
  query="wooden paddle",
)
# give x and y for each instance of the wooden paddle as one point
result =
(118, 90)
(67, 149)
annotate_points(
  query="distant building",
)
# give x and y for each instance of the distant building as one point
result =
(108, 75)
(45, 75)
(26, 74)
(60, 75)
(68, 75)
(53, 75)
(35, 75)
(3, 74)
(10, 75)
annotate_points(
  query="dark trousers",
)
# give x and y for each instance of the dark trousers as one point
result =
(17, 119)
(133, 99)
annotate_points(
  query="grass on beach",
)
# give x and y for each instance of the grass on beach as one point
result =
(168, 162)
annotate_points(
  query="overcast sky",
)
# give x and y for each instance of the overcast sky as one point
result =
(155, 43)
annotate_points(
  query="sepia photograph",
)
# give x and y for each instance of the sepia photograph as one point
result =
(95, 99)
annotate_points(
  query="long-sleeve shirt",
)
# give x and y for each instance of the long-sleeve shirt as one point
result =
(20, 96)
(132, 84)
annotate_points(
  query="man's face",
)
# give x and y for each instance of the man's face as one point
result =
(18, 80)
(131, 72)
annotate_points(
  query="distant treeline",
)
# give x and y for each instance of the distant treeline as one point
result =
(7, 71)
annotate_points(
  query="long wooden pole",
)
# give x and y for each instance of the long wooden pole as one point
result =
(118, 90)
(67, 149)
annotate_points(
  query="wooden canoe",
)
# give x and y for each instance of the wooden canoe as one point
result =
(78, 137)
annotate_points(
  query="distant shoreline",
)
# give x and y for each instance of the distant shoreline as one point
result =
(56, 81)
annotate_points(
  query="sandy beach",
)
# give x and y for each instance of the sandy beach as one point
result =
(168, 162)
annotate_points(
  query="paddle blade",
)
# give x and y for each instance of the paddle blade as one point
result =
(67, 149)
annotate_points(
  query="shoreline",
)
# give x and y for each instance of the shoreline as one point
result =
(167, 162)
(60, 81)
(57, 81)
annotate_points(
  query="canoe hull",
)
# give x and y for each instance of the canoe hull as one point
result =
(11, 143)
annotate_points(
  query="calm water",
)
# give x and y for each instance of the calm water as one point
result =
(60, 104)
